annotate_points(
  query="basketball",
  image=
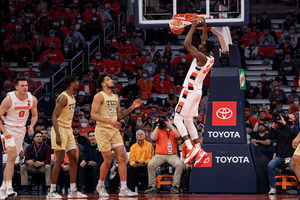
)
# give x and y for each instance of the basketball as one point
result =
(176, 23)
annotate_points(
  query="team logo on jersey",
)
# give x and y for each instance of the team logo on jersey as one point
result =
(207, 162)
(224, 113)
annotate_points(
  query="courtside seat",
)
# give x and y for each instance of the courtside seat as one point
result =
(286, 179)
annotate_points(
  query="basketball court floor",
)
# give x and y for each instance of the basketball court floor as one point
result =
(180, 197)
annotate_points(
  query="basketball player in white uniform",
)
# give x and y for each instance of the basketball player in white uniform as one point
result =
(190, 96)
(14, 112)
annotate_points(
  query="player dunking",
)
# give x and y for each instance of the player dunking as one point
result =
(106, 111)
(62, 138)
(14, 112)
(191, 93)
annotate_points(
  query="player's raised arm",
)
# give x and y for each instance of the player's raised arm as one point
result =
(5, 105)
(34, 115)
(204, 36)
(123, 113)
(62, 101)
(188, 44)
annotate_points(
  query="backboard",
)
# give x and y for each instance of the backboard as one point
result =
(158, 13)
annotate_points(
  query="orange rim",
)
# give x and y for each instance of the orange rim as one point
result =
(187, 17)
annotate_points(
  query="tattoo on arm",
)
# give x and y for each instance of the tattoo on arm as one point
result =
(126, 112)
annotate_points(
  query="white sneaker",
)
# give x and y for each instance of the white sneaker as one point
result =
(76, 194)
(11, 193)
(126, 192)
(3, 194)
(53, 195)
(101, 191)
(272, 191)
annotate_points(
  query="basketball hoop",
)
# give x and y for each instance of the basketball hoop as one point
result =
(180, 21)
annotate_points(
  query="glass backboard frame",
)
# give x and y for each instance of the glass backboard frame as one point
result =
(142, 22)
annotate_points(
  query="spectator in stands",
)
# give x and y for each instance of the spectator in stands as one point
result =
(278, 95)
(260, 92)
(266, 35)
(125, 131)
(99, 61)
(140, 155)
(94, 27)
(166, 137)
(116, 43)
(3, 94)
(171, 100)
(79, 138)
(288, 66)
(50, 59)
(281, 79)
(162, 72)
(18, 36)
(91, 162)
(179, 76)
(264, 22)
(118, 85)
(278, 60)
(24, 55)
(183, 60)
(131, 87)
(130, 66)
(37, 160)
(154, 99)
(293, 94)
(8, 53)
(47, 104)
(250, 117)
(114, 6)
(164, 64)
(46, 137)
(37, 50)
(253, 24)
(113, 67)
(136, 41)
(108, 49)
(294, 106)
(71, 38)
(287, 46)
(162, 85)
(248, 35)
(106, 18)
(293, 35)
(32, 86)
(83, 130)
(169, 53)
(145, 83)
(78, 35)
(288, 22)
(266, 51)
(11, 26)
(51, 38)
(260, 137)
(86, 86)
(251, 51)
(149, 65)
(29, 7)
(155, 55)
(284, 132)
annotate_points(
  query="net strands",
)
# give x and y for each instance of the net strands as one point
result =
(180, 21)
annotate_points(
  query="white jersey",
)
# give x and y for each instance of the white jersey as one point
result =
(195, 76)
(18, 113)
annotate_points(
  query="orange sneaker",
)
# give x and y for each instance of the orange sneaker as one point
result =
(191, 153)
(200, 158)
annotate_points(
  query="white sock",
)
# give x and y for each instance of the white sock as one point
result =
(52, 187)
(72, 186)
(188, 144)
(123, 184)
(9, 184)
(3, 186)
(101, 183)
